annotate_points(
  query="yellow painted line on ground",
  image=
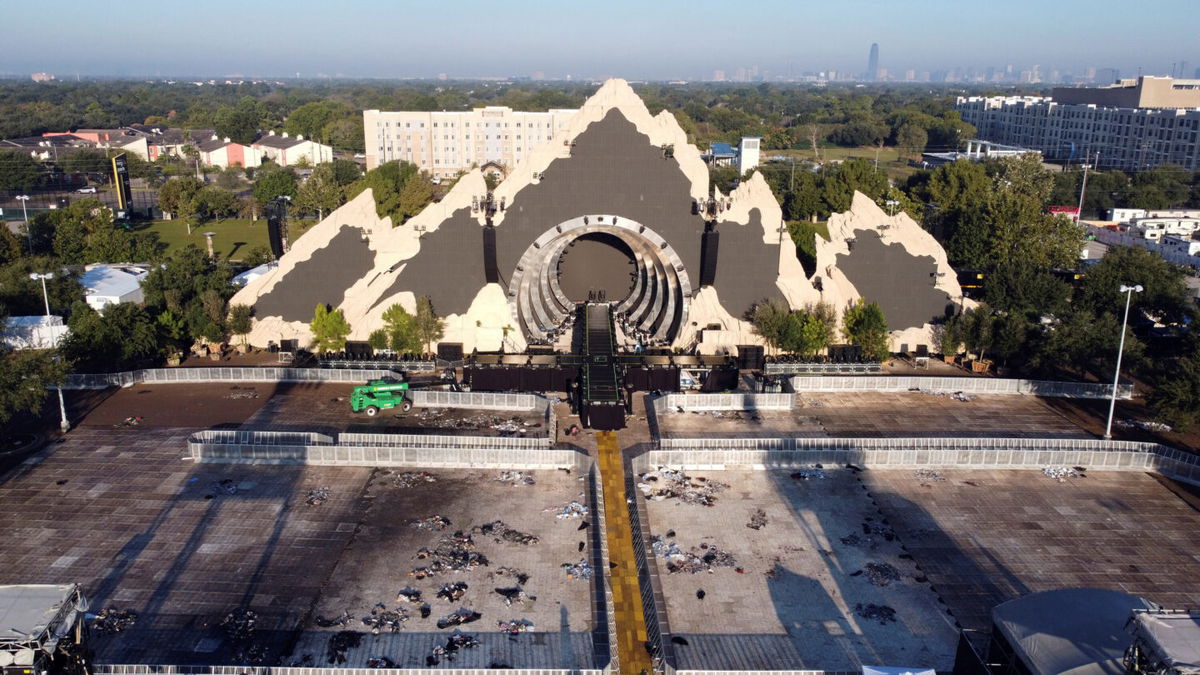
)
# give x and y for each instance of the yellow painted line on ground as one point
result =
(627, 598)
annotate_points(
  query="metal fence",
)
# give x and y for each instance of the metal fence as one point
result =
(222, 374)
(382, 364)
(896, 453)
(477, 399)
(967, 385)
(823, 368)
(117, 669)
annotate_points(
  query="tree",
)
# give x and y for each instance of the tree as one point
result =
(858, 133)
(321, 192)
(378, 339)
(401, 330)
(25, 377)
(769, 319)
(385, 181)
(1021, 289)
(329, 329)
(85, 160)
(274, 181)
(213, 202)
(429, 327)
(240, 123)
(176, 195)
(415, 196)
(120, 336)
(866, 326)
(18, 170)
(345, 134)
(958, 185)
(841, 181)
(311, 119)
(241, 320)
(1164, 296)
(911, 139)
(1176, 396)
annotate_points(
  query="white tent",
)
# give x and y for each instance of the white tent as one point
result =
(888, 670)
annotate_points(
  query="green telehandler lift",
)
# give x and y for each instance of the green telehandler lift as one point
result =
(379, 395)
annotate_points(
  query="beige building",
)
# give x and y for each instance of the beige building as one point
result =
(444, 143)
(1141, 92)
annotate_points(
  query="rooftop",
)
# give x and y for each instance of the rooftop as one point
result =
(111, 281)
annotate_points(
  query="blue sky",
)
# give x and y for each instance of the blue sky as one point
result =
(637, 40)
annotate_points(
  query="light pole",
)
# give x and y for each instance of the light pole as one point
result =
(1112, 404)
(25, 215)
(62, 406)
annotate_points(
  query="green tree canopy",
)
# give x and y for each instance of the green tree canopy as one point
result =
(18, 170)
(25, 376)
(866, 326)
(329, 329)
(430, 327)
(400, 329)
(274, 181)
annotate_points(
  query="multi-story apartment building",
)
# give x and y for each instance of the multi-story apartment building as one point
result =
(1133, 125)
(444, 143)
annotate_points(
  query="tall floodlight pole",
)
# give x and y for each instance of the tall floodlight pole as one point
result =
(62, 405)
(1112, 404)
(25, 215)
(1082, 190)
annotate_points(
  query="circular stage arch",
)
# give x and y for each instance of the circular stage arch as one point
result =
(655, 308)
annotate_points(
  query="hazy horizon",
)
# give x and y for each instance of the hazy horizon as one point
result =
(637, 41)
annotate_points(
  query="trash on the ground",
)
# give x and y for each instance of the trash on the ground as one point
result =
(521, 578)
(340, 643)
(808, 474)
(516, 478)
(1144, 425)
(448, 651)
(666, 483)
(241, 394)
(412, 478)
(383, 618)
(380, 662)
(698, 559)
(317, 496)
(455, 553)
(239, 627)
(758, 520)
(515, 626)
(700, 594)
(409, 594)
(432, 523)
(459, 618)
(579, 570)
(929, 476)
(881, 613)
(227, 486)
(323, 622)
(573, 509)
(1061, 473)
(113, 620)
(515, 594)
(452, 592)
(880, 574)
(502, 532)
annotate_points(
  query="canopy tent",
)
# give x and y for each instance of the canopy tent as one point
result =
(1169, 639)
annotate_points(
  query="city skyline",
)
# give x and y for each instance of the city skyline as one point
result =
(665, 41)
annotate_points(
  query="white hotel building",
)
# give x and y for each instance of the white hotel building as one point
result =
(444, 143)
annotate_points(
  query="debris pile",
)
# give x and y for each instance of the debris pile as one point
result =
(380, 662)
(879, 574)
(226, 486)
(454, 643)
(758, 520)
(241, 394)
(412, 479)
(502, 532)
(698, 559)
(455, 553)
(339, 644)
(343, 621)
(881, 613)
(515, 626)
(516, 478)
(432, 523)
(1144, 425)
(815, 473)
(1062, 473)
(871, 532)
(239, 627)
(410, 595)
(317, 497)
(452, 592)
(579, 570)
(459, 618)
(522, 578)
(573, 509)
(929, 476)
(383, 618)
(515, 594)
(112, 620)
(665, 483)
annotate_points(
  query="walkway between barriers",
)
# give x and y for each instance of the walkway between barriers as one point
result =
(627, 596)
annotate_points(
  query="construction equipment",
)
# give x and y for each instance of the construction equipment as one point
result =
(379, 395)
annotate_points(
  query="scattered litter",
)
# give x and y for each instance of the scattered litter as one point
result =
(579, 570)
(225, 487)
(665, 483)
(239, 626)
(871, 533)
(452, 592)
(131, 421)
(340, 643)
(516, 478)
(113, 620)
(381, 617)
(459, 618)
(455, 553)
(929, 475)
(410, 595)
(502, 532)
(694, 561)
(380, 662)
(881, 613)
(758, 520)
(515, 594)
(700, 594)
(809, 474)
(317, 497)
(343, 621)
(437, 418)
(959, 396)
(1144, 425)
(1062, 473)
(515, 626)
(241, 394)
(573, 509)
(412, 479)
(522, 578)
(454, 643)
(879, 574)
(432, 523)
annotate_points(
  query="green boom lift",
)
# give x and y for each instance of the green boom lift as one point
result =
(379, 395)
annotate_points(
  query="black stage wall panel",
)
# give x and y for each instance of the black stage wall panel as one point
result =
(274, 236)
(710, 244)
(720, 379)
(491, 271)
(450, 351)
(751, 357)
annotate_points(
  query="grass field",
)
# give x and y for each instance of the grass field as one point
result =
(234, 237)
(897, 168)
